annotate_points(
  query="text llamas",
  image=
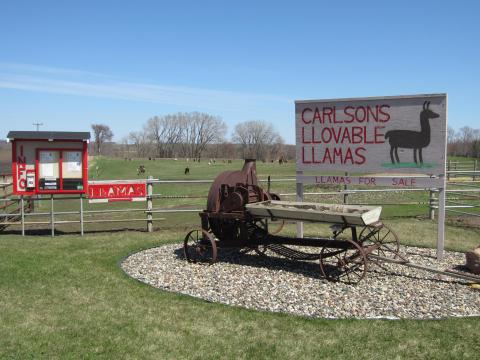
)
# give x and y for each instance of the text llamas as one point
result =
(408, 139)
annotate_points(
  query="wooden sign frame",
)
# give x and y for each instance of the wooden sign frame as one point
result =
(394, 141)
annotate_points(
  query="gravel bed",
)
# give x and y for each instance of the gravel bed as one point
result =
(277, 284)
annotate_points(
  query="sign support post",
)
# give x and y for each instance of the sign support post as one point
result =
(300, 199)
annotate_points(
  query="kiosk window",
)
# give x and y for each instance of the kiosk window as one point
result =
(49, 174)
(72, 170)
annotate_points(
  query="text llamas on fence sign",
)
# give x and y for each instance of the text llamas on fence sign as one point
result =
(401, 134)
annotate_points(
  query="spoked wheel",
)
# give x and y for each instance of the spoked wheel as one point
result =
(380, 240)
(200, 246)
(346, 265)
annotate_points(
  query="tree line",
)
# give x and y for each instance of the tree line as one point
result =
(464, 142)
(195, 135)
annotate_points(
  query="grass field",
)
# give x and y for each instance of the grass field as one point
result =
(67, 298)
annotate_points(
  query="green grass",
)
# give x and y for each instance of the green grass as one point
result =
(66, 298)
(408, 165)
(102, 168)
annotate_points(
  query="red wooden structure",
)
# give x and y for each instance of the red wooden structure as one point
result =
(49, 162)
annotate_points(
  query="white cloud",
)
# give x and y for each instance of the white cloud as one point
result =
(88, 84)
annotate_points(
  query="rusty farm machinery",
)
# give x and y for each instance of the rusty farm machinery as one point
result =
(243, 215)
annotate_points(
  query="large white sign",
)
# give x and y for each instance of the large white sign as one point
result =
(401, 134)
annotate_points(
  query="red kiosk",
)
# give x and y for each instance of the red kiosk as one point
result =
(49, 162)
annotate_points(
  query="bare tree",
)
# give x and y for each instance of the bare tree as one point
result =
(198, 131)
(277, 149)
(225, 150)
(452, 141)
(140, 142)
(466, 138)
(101, 133)
(465, 142)
(451, 135)
(475, 147)
(255, 138)
(165, 133)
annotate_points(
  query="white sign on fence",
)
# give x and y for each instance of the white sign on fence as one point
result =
(381, 137)
(399, 182)
(404, 134)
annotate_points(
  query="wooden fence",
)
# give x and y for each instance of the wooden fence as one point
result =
(462, 169)
(10, 208)
(463, 199)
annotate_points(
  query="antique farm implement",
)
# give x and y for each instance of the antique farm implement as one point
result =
(241, 214)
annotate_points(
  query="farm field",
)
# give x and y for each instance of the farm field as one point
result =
(66, 297)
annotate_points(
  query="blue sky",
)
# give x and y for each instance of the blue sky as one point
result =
(70, 64)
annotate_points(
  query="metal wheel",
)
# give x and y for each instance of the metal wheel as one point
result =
(380, 240)
(345, 265)
(200, 246)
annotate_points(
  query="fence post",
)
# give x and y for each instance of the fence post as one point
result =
(81, 214)
(149, 204)
(474, 169)
(431, 205)
(22, 212)
(448, 169)
(52, 217)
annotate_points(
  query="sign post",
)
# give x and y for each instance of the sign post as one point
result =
(397, 141)
(299, 198)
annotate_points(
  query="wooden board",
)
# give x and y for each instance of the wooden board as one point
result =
(372, 135)
(316, 212)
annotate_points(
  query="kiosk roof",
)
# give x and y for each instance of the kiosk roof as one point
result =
(48, 135)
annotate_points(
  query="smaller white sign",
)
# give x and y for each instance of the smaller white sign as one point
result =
(390, 181)
(46, 164)
(73, 160)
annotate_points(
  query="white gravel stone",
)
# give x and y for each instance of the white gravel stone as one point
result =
(277, 284)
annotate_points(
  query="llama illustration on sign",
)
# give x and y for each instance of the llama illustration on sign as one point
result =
(409, 139)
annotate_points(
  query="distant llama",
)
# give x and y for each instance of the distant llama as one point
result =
(408, 139)
(141, 170)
